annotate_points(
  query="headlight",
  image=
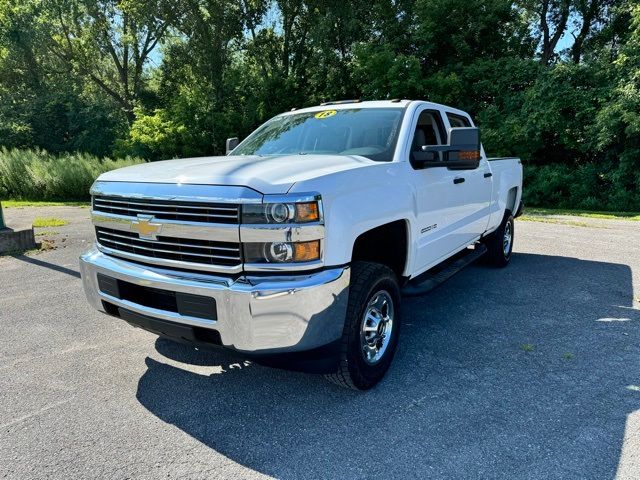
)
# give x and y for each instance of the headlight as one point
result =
(304, 212)
(282, 252)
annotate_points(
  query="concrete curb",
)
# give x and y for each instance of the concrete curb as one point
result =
(17, 239)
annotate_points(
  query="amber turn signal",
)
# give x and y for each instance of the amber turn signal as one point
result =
(307, 212)
(306, 251)
(470, 155)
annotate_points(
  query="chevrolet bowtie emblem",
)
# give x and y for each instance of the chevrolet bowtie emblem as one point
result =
(145, 227)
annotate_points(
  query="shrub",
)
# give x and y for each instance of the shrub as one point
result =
(156, 136)
(38, 175)
(592, 186)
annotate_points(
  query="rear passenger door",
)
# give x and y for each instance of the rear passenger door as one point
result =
(473, 191)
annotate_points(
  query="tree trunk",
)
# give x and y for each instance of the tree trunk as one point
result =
(550, 41)
(588, 16)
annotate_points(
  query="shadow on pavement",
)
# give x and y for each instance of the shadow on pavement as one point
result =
(524, 372)
(42, 263)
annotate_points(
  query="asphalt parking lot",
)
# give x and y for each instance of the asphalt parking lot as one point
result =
(532, 371)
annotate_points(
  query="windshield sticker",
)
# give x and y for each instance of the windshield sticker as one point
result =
(325, 114)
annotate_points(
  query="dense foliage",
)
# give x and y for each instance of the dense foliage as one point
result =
(556, 82)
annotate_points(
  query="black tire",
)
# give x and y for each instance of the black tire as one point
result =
(368, 281)
(496, 254)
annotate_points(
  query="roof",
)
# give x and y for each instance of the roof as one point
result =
(354, 104)
(369, 104)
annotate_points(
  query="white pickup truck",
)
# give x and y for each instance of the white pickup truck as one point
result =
(296, 247)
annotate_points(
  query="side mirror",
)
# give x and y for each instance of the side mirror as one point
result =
(464, 138)
(232, 143)
(461, 152)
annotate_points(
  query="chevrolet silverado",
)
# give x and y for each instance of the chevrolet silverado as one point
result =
(295, 248)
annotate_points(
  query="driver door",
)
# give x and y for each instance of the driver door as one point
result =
(473, 192)
(439, 205)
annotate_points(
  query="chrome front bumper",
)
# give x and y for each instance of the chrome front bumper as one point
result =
(259, 314)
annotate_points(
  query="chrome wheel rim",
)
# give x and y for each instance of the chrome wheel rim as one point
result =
(377, 326)
(507, 239)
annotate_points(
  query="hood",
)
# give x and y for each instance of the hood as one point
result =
(268, 175)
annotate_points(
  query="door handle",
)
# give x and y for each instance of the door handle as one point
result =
(458, 180)
(488, 174)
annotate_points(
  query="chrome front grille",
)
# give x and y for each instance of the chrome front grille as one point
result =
(199, 212)
(165, 250)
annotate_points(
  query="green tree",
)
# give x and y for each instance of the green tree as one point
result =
(618, 123)
(40, 103)
(108, 42)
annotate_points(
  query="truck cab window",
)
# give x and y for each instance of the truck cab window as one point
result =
(458, 121)
(428, 131)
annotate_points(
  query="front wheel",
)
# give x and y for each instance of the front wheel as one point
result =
(500, 243)
(372, 327)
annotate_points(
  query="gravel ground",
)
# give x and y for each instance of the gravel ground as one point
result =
(528, 372)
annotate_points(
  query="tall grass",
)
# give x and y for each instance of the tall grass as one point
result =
(39, 175)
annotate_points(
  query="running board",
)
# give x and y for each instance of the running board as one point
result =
(428, 281)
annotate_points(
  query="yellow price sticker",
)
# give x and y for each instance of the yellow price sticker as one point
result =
(325, 114)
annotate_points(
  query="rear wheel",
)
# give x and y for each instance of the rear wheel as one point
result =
(500, 243)
(372, 326)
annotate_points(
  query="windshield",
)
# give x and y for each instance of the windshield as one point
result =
(370, 132)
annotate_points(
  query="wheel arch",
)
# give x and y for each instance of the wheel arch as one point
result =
(387, 244)
(511, 199)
